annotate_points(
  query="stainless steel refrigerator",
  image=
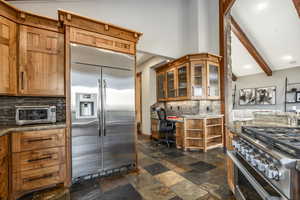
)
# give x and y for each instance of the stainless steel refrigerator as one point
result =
(103, 112)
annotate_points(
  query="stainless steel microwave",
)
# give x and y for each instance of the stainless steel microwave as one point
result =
(35, 114)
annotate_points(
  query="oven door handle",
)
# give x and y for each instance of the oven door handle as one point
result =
(251, 179)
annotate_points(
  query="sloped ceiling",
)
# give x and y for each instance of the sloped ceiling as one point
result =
(273, 26)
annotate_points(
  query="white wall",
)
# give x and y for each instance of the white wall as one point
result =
(148, 91)
(171, 28)
(262, 80)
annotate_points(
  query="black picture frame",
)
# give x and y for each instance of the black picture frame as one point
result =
(298, 97)
(291, 97)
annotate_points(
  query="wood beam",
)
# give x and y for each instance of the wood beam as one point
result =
(297, 6)
(234, 77)
(227, 5)
(236, 29)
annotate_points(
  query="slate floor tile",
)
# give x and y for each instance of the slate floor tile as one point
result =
(125, 192)
(169, 178)
(202, 167)
(188, 191)
(156, 168)
(157, 192)
(175, 154)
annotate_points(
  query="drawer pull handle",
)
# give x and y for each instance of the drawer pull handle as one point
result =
(39, 159)
(38, 178)
(39, 140)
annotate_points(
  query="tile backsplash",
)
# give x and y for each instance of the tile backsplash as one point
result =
(8, 110)
(179, 108)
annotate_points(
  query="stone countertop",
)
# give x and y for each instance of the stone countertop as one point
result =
(8, 129)
(236, 126)
(208, 116)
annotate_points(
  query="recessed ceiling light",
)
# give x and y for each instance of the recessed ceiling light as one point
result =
(261, 6)
(287, 57)
(247, 66)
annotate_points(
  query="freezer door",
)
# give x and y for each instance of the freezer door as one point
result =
(118, 118)
(86, 143)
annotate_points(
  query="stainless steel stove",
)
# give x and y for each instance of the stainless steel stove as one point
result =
(266, 163)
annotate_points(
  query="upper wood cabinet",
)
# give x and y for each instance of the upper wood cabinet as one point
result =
(41, 62)
(8, 48)
(192, 77)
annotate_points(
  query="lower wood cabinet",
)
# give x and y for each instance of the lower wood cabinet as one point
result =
(154, 129)
(3, 168)
(179, 135)
(38, 178)
(37, 161)
(229, 162)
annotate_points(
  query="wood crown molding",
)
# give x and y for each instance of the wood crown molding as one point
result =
(191, 57)
(27, 18)
(88, 24)
(237, 30)
(297, 6)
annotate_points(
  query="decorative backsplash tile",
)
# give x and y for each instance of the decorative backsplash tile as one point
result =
(8, 110)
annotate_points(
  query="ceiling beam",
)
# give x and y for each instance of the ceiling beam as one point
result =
(297, 5)
(227, 5)
(236, 29)
(234, 77)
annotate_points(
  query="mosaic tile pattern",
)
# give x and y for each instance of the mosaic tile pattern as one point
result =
(165, 174)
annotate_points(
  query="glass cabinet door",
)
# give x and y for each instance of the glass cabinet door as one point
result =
(198, 79)
(171, 91)
(213, 80)
(161, 86)
(182, 81)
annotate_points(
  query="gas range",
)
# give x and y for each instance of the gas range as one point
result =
(267, 159)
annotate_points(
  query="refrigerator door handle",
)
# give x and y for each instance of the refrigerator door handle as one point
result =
(104, 107)
(99, 107)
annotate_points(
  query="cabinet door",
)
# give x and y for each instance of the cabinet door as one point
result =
(161, 91)
(171, 87)
(41, 62)
(229, 162)
(8, 49)
(213, 81)
(198, 80)
(3, 167)
(182, 81)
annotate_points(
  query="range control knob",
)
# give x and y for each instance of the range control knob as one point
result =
(272, 172)
(262, 165)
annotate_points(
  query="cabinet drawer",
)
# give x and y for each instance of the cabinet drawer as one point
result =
(3, 146)
(38, 159)
(3, 178)
(33, 140)
(38, 178)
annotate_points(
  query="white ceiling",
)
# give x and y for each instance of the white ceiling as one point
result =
(273, 26)
(142, 57)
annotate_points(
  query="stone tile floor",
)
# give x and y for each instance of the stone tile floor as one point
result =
(165, 174)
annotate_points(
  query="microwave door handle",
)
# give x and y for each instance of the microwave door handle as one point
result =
(104, 107)
(251, 179)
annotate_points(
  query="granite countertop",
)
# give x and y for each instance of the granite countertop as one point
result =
(236, 126)
(8, 129)
(208, 116)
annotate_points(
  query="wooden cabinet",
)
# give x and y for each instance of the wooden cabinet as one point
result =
(192, 77)
(182, 81)
(161, 86)
(171, 84)
(38, 160)
(195, 134)
(198, 80)
(3, 167)
(41, 62)
(154, 129)
(8, 49)
(213, 81)
(229, 162)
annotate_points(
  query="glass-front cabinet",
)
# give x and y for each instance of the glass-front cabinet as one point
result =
(182, 81)
(171, 87)
(192, 77)
(161, 83)
(198, 80)
(213, 81)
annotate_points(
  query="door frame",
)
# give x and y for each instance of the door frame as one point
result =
(139, 95)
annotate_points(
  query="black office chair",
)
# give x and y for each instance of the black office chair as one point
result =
(166, 128)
